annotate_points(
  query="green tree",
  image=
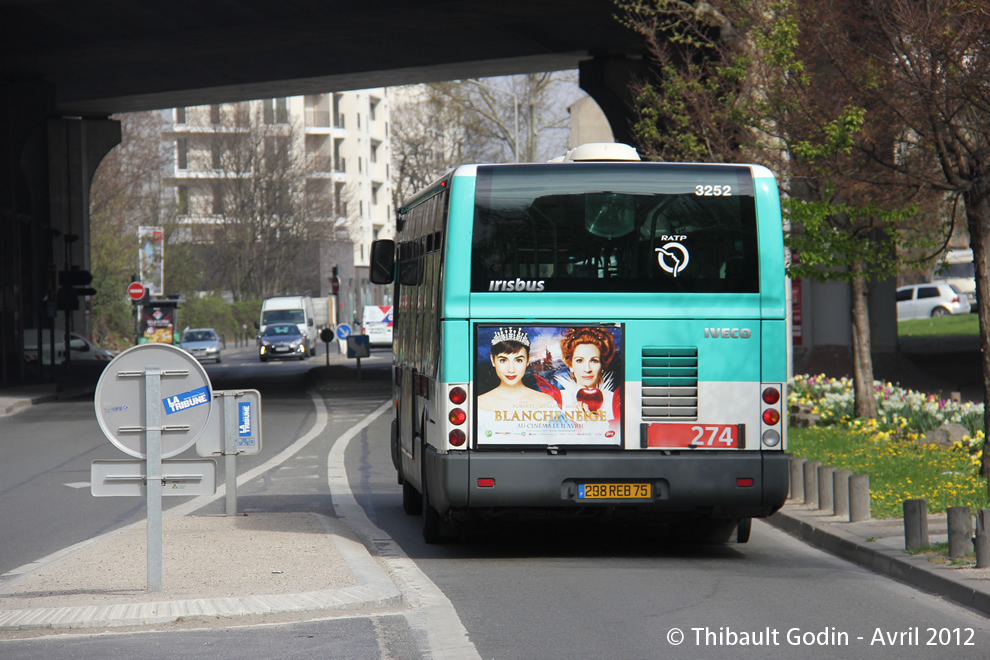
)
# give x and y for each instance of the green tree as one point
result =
(442, 125)
(125, 194)
(926, 64)
(268, 212)
(743, 80)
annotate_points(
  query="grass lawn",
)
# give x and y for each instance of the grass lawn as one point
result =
(899, 469)
(956, 325)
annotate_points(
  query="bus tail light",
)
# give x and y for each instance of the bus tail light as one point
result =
(773, 431)
(458, 395)
(486, 482)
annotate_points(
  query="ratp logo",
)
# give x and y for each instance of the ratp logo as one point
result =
(673, 257)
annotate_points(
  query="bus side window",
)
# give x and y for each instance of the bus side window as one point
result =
(409, 265)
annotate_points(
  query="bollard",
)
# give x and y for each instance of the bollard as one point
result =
(915, 524)
(982, 538)
(859, 497)
(825, 487)
(797, 478)
(811, 482)
(960, 530)
(840, 492)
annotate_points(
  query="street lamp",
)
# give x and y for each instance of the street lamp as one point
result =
(515, 100)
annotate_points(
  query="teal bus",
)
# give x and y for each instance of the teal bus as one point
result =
(595, 336)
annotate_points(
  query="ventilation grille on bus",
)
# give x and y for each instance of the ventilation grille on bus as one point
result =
(670, 383)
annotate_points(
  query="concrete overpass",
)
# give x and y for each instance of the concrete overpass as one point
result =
(67, 65)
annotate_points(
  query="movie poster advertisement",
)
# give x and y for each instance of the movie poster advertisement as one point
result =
(549, 385)
(157, 325)
(151, 259)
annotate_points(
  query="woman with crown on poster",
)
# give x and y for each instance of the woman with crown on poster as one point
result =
(510, 359)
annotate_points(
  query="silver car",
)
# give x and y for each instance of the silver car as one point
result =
(203, 344)
(922, 301)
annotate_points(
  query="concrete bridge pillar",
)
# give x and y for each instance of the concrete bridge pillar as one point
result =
(46, 167)
(607, 80)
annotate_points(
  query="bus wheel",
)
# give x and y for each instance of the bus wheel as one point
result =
(412, 501)
(743, 530)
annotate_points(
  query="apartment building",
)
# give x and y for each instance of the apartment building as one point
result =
(339, 140)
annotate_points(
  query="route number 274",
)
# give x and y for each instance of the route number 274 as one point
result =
(707, 436)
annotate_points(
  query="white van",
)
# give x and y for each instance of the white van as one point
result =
(376, 322)
(291, 309)
(961, 272)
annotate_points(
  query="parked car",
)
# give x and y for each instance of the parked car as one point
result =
(921, 301)
(960, 271)
(203, 344)
(82, 349)
(282, 340)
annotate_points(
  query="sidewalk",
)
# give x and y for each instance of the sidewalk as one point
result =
(256, 568)
(878, 545)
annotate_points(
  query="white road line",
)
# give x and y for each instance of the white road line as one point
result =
(433, 616)
(77, 484)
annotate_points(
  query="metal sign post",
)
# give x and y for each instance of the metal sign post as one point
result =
(230, 454)
(233, 429)
(174, 383)
(358, 346)
(153, 482)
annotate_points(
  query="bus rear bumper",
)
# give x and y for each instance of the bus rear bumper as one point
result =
(748, 484)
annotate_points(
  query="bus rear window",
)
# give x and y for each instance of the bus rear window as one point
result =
(615, 227)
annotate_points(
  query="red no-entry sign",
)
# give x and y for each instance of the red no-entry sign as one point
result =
(135, 290)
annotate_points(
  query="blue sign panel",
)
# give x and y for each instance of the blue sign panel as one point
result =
(197, 397)
(343, 331)
(244, 419)
(358, 346)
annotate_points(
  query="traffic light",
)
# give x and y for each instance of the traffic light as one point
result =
(72, 284)
(335, 280)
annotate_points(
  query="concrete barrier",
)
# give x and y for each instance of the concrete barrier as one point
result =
(840, 492)
(797, 478)
(915, 524)
(983, 538)
(825, 487)
(811, 482)
(960, 530)
(859, 497)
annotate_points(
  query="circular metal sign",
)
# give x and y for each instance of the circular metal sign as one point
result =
(185, 399)
(135, 290)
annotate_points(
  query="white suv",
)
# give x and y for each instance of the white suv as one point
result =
(921, 301)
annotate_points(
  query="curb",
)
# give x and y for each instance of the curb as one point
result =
(907, 569)
(21, 403)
